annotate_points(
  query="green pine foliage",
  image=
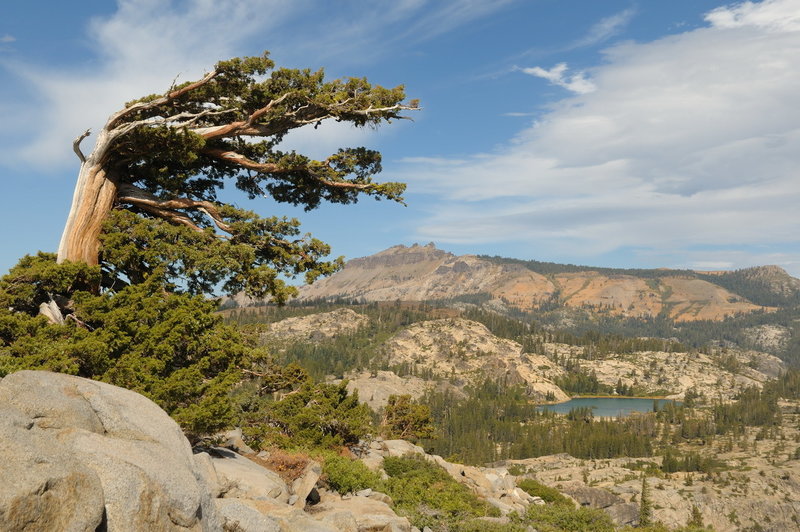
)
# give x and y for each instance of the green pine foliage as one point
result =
(689, 462)
(497, 422)
(405, 419)
(547, 494)
(309, 415)
(346, 475)
(428, 495)
(142, 317)
(645, 505)
(168, 346)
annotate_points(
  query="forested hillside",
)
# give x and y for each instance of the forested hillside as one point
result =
(734, 430)
(754, 308)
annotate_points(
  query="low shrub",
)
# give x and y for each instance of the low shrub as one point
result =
(557, 518)
(346, 475)
(548, 494)
(429, 496)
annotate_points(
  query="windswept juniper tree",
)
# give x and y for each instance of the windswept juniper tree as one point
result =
(146, 238)
(164, 157)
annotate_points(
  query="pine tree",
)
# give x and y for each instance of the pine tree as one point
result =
(696, 519)
(645, 505)
(126, 298)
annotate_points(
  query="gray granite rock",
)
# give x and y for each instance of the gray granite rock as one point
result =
(245, 479)
(42, 489)
(306, 482)
(134, 460)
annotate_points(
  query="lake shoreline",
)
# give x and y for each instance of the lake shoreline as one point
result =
(609, 405)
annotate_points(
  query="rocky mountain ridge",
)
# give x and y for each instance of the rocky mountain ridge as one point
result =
(450, 353)
(419, 273)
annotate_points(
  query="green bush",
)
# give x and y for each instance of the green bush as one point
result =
(558, 518)
(310, 415)
(345, 475)
(170, 347)
(548, 494)
(429, 496)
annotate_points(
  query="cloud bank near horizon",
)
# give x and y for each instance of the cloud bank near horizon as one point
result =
(688, 141)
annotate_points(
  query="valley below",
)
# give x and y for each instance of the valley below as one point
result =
(481, 342)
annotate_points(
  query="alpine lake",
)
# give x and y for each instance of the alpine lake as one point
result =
(605, 407)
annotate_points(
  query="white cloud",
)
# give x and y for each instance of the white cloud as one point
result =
(145, 43)
(576, 82)
(7, 38)
(774, 15)
(689, 141)
(606, 28)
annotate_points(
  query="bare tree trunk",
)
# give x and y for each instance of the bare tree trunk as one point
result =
(92, 200)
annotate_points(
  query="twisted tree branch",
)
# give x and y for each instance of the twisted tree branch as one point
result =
(76, 145)
(238, 159)
(168, 209)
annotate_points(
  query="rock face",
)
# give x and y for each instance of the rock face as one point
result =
(722, 374)
(244, 479)
(316, 327)
(374, 388)
(79, 456)
(769, 337)
(95, 452)
(419, 273)
(465, 351)
(41, 490)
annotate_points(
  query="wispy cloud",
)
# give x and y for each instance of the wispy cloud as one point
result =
(605, 29)
(143, 45)
(598, 33)
(7, 38)
(557, 75)
(690, 141)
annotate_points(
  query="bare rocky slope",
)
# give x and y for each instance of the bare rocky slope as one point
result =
(756, 490)
(722, 374)
(465, 352)
(453, 352)
(418, 273)
(316, 327)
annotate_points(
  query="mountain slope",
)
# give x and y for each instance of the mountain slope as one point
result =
(419, 273)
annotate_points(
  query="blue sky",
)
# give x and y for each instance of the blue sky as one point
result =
(614, 133)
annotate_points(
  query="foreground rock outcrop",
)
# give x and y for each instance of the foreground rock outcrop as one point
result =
(81, 455)
(75, 453)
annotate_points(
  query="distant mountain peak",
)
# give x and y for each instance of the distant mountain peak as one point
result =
(425, 272)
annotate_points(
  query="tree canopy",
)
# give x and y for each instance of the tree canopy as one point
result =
(146, 200)
(146, 242)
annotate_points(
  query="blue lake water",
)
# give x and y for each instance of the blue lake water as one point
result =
(608, 406)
